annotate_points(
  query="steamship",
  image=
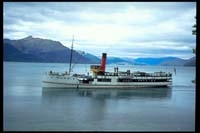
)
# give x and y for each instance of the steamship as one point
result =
(102, 79)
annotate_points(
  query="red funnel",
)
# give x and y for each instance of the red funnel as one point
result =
(103, 62)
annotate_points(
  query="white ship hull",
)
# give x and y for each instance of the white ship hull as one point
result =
(47, 84)
(66, 81)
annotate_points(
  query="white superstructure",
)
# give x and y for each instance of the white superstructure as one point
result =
(102, 79)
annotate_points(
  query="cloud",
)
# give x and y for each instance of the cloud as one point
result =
(107, 26)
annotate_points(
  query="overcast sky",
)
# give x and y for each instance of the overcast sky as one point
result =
(123, 29)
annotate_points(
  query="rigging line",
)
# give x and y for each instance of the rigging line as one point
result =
(82, 55)
(73, 65)
(77, 60)
(71, 55)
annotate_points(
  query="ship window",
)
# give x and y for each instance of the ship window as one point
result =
(125, 80)
(104, 80)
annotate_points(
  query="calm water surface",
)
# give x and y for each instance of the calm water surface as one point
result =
(29, 107)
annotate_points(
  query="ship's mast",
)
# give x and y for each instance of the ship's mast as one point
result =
(70, 63)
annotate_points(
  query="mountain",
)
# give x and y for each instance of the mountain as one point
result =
(173, 62)
(91, 57)
(36, 45)
(154, 61)
(129, 60)
(31, 49)
(190, 62)
(166, 61)
(116, 60)
(10, 53)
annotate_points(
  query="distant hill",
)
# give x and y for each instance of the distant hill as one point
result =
(92, 58)
(154, 61)
(10, 53)
(190, 62)
(173, 62)
(166, 61)
(116, 60)
(31, 49)
(38, 45)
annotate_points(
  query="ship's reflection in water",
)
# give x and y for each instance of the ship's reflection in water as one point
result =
(160, 93)
(99, 109)
(122, 93)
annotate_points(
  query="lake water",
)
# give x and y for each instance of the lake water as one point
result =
(26, 106)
